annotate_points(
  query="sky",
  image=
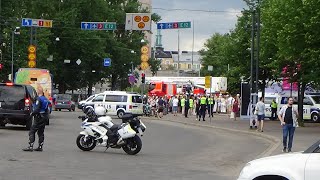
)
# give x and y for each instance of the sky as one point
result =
(205, 23)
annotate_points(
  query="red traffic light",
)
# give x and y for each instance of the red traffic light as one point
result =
(1, 66)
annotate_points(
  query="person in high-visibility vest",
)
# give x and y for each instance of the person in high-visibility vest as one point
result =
(183, 103)
(274, 108)
(210, 105)
(191, 104)
(203, 107)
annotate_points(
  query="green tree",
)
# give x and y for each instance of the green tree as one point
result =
(154, 66)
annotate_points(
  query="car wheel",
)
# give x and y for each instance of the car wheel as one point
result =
(315, 117)
(70, 109)
(59, 109)
(74, 109)
(120, 114)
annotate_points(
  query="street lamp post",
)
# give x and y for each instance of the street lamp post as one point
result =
(15, 31)
(132, 51)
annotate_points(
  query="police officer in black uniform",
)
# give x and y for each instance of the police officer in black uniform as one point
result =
(41, 116)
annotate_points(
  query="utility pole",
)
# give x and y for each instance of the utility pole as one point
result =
(178, 52)
(252, 87)
(258, 46)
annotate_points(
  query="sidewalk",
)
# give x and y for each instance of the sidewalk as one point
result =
(303, 138)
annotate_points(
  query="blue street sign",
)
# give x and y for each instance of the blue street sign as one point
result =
(106, 62)
(26, 22)
(85, 25)
(98, 26)
(174, 25)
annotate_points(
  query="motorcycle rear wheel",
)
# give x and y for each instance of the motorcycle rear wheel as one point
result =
(85, 146)
(133, 145)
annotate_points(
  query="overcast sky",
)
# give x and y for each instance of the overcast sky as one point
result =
(205, 23)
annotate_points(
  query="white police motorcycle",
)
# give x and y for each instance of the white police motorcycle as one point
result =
(100, 130)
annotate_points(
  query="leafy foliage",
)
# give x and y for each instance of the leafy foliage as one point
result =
(88, 46)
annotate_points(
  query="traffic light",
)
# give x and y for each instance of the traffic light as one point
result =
(143, 78)
(1, 66)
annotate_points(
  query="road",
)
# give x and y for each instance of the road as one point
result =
(170, 151)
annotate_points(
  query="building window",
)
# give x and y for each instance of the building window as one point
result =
(194, 66)
(189, 66)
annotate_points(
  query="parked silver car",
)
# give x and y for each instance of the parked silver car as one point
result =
(64, 101)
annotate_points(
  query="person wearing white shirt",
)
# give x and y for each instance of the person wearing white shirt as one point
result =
(260, 108)
(175, 103)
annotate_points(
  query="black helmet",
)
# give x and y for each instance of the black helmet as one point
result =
(89, 111)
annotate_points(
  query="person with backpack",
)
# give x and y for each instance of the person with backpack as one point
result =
(41, 116)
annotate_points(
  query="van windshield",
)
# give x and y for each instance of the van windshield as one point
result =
(316, 99)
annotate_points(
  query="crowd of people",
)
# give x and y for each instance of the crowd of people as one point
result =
(192, 105)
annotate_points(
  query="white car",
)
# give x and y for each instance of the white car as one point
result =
(290, 166)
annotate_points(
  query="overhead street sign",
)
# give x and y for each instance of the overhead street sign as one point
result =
(106, 62)
(103, 26)
(174, 25)
(27, 22)
(138, 21)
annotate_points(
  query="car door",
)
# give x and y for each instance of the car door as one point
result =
(97, 101)
(312, 166)
(307, 103)
(137, 105)
(112, 104)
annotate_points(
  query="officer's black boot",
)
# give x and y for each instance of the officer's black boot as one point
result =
(39, 147)
(30, 148)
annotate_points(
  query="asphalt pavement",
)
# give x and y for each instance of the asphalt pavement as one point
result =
(170, 151)
(304, 136)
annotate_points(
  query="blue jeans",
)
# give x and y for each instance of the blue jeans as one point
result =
(288, 129)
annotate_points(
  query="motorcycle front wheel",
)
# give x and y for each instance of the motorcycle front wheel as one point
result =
(133, 145)
(85, 145)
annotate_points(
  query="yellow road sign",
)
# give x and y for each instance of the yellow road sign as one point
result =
(31, 64)
(144, 49)
(144, 58)
(144, 65)
(208, 81)
(47, 23)
(32, 57)
(32, 49)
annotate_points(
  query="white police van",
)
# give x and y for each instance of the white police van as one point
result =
(118, 102)
(311, 104)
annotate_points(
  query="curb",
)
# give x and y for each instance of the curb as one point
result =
(274, 142)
